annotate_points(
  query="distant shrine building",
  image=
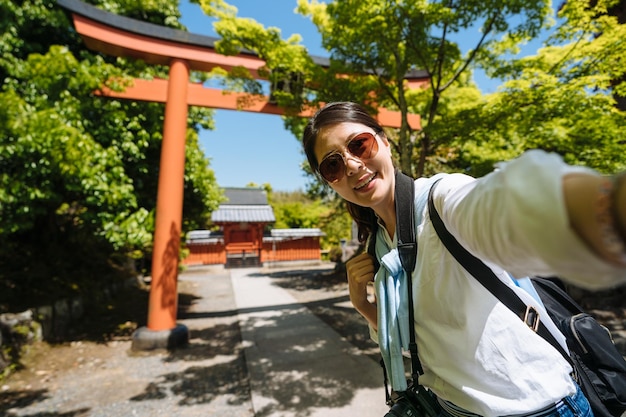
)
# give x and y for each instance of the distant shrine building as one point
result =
(244, 237)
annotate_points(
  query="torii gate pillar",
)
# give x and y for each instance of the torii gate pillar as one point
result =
(161, 327)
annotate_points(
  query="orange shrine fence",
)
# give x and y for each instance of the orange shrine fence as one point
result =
(282, 245)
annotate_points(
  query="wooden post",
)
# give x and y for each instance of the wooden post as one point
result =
(169, 209)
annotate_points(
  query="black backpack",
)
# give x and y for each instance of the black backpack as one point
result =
(600, 368)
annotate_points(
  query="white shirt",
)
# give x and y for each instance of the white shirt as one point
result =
(475, 352)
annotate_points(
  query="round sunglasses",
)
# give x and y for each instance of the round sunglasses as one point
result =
(363, 146)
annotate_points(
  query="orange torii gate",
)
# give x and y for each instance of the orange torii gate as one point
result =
(182, 51)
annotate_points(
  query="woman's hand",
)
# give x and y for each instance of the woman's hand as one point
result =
(360, 270)
(596, 206)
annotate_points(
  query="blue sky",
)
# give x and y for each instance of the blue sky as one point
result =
(253, 147)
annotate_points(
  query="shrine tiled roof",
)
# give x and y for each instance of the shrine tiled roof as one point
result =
(243, 214)
(244, 205)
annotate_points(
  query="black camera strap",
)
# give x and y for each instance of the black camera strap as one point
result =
(404, 199)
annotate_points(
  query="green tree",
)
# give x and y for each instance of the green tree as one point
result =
(618, 10)
(78, 172)
(373, 44)
(299, 210)
(563, 99)
(390, 39)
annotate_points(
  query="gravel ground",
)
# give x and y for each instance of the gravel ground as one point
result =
(87, 374)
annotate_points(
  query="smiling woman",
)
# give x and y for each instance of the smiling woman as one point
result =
(478, 357)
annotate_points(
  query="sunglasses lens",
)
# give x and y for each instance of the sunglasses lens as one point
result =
(363, 146)
(332, 168)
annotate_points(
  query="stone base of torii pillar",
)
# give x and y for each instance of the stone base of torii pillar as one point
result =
(145, 339)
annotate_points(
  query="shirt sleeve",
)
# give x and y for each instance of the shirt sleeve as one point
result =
(515, 218)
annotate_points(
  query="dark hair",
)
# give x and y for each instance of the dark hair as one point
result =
(330, 115)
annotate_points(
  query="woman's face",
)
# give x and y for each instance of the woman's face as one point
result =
(366, 182)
